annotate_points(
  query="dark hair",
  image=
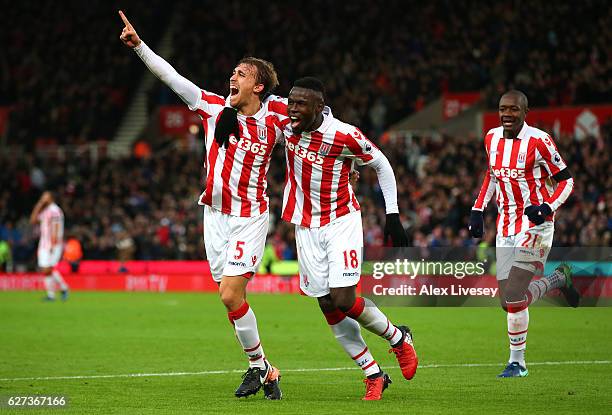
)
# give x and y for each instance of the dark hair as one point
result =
(310, 82)
(266, 74)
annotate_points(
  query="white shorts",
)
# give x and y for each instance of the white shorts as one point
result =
(48, 258)
(330, 256)
(531, 246)
(234, 245)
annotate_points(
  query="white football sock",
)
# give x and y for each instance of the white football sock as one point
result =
(539, 288)
(518, 323)
(60, 280)
(348, 333)
(374, 320)
(50, 286)
(517, 356)
(245, 325)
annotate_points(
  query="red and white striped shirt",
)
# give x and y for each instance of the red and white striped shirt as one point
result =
(317, 188)
(236, 177)
(520, 173)
(51, 227)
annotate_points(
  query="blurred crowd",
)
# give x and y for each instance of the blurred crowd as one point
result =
(118, 209)
(67, 77)
(62, 70)
(146, 208)
(381, 61)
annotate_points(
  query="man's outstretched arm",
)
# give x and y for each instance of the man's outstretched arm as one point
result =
(184, 88)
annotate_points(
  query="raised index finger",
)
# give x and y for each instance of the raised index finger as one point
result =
(125, 20)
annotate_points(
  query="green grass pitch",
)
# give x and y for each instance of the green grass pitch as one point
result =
(98, 334)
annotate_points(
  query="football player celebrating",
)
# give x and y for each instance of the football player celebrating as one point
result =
(235, 203)
(523, 163)
(320, 151)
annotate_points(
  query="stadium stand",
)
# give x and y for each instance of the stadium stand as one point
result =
(387, 70)
(64, 75)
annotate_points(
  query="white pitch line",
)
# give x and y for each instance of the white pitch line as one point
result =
(321, 369)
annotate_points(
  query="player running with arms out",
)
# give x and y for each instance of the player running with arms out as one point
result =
(235, 200)
(320, 151)
(523, 163)
(51, 219)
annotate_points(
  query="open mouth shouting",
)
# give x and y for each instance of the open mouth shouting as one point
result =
(295, 121)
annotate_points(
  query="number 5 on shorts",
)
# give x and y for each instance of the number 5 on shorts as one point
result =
(239, 250)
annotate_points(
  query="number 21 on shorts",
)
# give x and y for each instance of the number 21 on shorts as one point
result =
(530, 240)
(350, 259)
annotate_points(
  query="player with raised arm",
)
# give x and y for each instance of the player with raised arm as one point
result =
(523, 165)
(320, 152)
(235, 201)
(51, 219)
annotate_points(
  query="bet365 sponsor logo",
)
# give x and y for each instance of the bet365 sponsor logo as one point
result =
(304, 153)
(248, 145)
(508, 173)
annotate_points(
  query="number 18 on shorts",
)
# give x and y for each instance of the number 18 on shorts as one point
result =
(330, 256)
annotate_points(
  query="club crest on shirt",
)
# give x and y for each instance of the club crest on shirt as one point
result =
(547, 141)
(324, 149)
(357, 134)
(522, 157)
(262, 133)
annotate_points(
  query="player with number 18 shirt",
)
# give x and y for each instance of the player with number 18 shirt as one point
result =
(320, 152)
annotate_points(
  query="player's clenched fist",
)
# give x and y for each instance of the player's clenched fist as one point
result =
(128, 34)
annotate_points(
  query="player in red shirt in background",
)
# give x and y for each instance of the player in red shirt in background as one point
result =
(523, 163)
(320, 153)
(51, 219)
(235, 201)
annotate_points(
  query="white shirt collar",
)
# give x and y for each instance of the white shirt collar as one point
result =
(328, 119)
(523, 133)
